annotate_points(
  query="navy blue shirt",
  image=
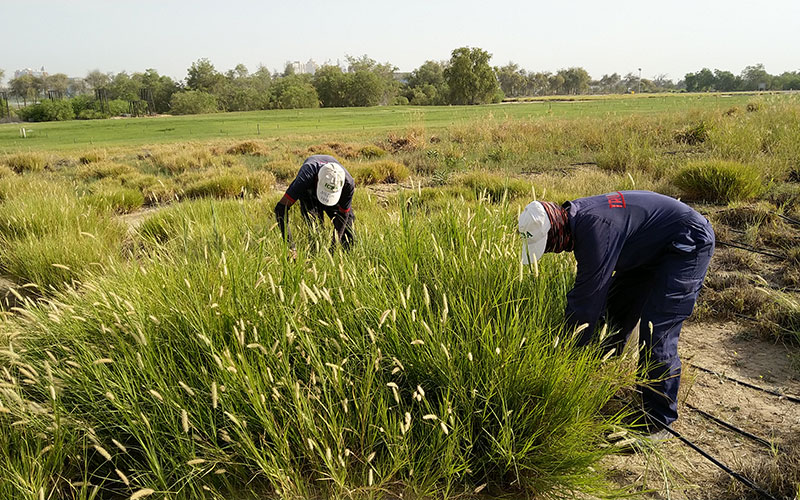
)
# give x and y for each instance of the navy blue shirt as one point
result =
(304, 186)
(621, 231)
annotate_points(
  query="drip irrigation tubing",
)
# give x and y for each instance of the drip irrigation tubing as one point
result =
(716, 462)
(789, 219)
(749, 249)
(774, 392)
(730, 426)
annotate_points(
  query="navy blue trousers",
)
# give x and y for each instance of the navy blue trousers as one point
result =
(661, 294)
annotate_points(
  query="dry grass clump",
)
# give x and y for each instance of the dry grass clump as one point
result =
(494, 186)
(155, 189)
(253, 148)
(227, 183)
(177, 162)
(92, 156)
(778, 474)
(5, 171)
(26, 162)
(743, 215)
(411, 139)
(102, 170)
(718, 181)
(379, 172)
(283, 170)
(693, 134)
(335, 149)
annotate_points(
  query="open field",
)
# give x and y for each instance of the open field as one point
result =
(333, 123)
(158, 343)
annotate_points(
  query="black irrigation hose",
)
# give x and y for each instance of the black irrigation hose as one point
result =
(716, 462)
(729, 426)
(788, 397)
(789, 219)
(749, 249)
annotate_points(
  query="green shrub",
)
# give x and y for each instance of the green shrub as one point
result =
(494, 186)
(26, 162)
(380, 172)
(718, 181)
(193, 102)
(48, 111)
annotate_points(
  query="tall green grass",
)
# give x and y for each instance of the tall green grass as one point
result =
(425, 362)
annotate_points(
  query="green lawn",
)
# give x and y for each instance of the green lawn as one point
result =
(76, 135)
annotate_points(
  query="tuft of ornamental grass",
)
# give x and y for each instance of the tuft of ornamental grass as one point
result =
(103, 169)
(423, 362)
(283, 170)
(116, 199)
(718, 181)
(379, 172)
(189, 158)
(94, 156)
(494, 187)
(26, 162)
(49, 237)
(227, 183)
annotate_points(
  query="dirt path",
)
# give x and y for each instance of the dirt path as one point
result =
(724, 349)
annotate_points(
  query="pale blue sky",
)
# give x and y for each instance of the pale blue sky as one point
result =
(671, 37)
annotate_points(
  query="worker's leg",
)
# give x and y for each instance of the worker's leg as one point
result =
(626, 298)
(342, 227)
(677, 282)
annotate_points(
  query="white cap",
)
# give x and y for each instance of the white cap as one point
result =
(533, 225)
(330, 182)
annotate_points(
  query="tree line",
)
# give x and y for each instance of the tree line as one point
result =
(466, 78)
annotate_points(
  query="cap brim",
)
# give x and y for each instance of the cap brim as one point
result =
(328, 198)
(532, 249)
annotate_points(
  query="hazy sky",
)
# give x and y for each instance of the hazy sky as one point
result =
(663, 37)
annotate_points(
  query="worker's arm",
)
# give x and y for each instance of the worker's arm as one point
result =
(282, 216)
(597, 248)
(344, 210)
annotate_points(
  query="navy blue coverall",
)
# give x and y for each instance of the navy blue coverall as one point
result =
(304, 189)
(641, 256)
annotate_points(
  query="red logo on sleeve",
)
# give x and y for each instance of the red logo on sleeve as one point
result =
(616, 200)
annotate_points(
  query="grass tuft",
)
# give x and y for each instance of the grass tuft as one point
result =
(718, 181)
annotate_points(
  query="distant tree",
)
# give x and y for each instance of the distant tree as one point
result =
(25, 87)
(753, 77)
(725, 81)
(370, 83)
(192, 102)
(662, 82)
(556, 83)
(426, 84)
(204, 77)
(611, 84)
(294, 91)
(96, 79)
(160, 87)
(330, 83)
(124, 87)
(789, 80)
(2, 74)
(537, 83)
(469, 77)
(511, 79)
(576, 80)
(58, 82)
(702, 81)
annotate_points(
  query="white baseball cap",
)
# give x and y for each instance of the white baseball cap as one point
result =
(330, 182)
(534, 225)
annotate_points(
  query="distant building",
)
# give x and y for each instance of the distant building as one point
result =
(310, 67)
(27, 71)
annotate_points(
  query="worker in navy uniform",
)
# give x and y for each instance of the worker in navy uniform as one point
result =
(322, 186)
(642, 258)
